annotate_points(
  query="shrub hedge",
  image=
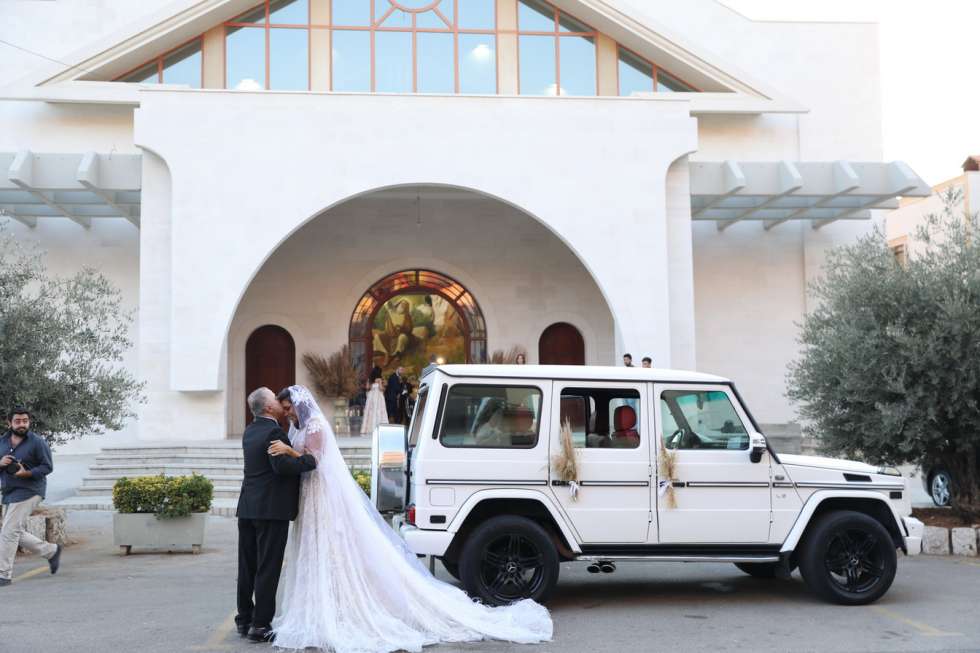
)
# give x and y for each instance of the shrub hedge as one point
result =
(165, 496)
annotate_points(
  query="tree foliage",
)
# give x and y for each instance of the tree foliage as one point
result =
(890, 363)
(62, 342)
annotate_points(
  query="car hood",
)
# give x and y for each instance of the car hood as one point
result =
(827, 463)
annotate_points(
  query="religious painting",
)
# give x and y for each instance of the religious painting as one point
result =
(414, 329)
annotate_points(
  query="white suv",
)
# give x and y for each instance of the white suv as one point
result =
(482, 494)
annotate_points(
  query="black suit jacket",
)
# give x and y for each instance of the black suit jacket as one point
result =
(270, 489)
(393, 389)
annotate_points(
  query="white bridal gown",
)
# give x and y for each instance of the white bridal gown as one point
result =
(375, 411)
(351, 585)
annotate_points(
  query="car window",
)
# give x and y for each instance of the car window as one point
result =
(491, 416)
(416, 426)
(602, 418)
(701, 419)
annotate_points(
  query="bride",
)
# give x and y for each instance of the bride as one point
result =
(375, 411)
(352, 586)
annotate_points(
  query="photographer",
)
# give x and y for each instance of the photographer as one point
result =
(25, 463)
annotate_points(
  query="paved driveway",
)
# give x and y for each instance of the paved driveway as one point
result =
(169, 603)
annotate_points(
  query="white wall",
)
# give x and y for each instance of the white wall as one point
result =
(523, 277)
(233, 199)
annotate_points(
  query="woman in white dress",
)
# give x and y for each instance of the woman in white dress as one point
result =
(352, 586)
(375, 411)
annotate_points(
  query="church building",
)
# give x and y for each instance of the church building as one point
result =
(443, 179)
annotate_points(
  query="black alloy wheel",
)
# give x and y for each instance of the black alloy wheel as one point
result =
(509, 558)
(848, 558)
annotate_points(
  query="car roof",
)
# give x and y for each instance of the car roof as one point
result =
(577, 372)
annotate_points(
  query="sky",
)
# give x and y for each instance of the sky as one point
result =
(929, 70)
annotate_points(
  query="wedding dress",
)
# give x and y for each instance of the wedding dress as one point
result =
(375, 411)
(350, 583)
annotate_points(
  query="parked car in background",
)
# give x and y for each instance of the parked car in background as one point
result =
(938, 482)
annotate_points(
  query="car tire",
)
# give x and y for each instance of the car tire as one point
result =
(848, 558)
(451, 566)
(940, 487)
(759, 569)
(509, 558)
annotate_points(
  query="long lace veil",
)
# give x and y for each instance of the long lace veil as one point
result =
(352, 585)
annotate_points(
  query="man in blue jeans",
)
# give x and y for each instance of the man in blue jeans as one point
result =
(25, 462)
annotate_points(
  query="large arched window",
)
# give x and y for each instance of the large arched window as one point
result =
(412, 317)
(409, 46)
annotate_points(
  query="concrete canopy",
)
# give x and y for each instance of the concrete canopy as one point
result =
(728, 192)
(79, 187)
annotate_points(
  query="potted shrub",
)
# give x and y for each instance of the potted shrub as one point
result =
(161, 512)
(334, 379)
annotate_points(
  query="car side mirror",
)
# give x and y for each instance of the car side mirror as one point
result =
(757, 446)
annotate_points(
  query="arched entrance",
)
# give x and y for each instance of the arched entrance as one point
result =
(270, 361)
(410, 318)
(561, 344)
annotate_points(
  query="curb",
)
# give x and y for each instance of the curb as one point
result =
(950, 541)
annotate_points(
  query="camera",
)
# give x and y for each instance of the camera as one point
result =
(13, 467)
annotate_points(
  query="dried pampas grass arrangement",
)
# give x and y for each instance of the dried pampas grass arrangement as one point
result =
(509, 357)
(668, 471)
(334, 376)
(565, 461)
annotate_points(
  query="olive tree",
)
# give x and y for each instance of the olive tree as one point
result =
(61, 346)
(890, 362)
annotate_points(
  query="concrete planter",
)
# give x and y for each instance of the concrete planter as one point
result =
(946, 541)
(145, 530)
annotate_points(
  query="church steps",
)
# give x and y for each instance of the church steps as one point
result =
(219, 461)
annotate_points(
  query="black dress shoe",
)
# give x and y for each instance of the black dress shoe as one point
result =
(260, 634)
(55, 561)
(243, 629)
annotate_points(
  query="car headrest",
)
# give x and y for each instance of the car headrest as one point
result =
(624, 418)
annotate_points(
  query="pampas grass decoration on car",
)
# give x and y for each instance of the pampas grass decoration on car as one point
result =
(566, 461)
(665, 486)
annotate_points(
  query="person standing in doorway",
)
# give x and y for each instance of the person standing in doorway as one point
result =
(392, 393)
(628, 360)
(647, 362)
(25, 464)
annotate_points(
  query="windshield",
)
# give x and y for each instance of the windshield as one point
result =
(416, 425)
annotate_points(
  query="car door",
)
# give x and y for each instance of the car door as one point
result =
(719, 494)
(607, 422)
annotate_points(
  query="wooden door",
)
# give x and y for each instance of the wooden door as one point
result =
(270, 361)
(561, 344)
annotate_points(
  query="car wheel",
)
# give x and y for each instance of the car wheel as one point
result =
(758, 569)
(509, 558)
(940, 487)
(451, 566)
(848, 558)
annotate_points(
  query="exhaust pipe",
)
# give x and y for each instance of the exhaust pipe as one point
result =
(593, 568)
(607, 566)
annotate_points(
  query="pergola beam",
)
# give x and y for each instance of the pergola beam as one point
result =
(899, 176)
(21, 173)
(733, 179)
(88, 176)
(10, 212)
(790, 181)
(845, 182)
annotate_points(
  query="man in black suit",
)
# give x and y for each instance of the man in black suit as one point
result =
(268, 502)
(392, 392)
